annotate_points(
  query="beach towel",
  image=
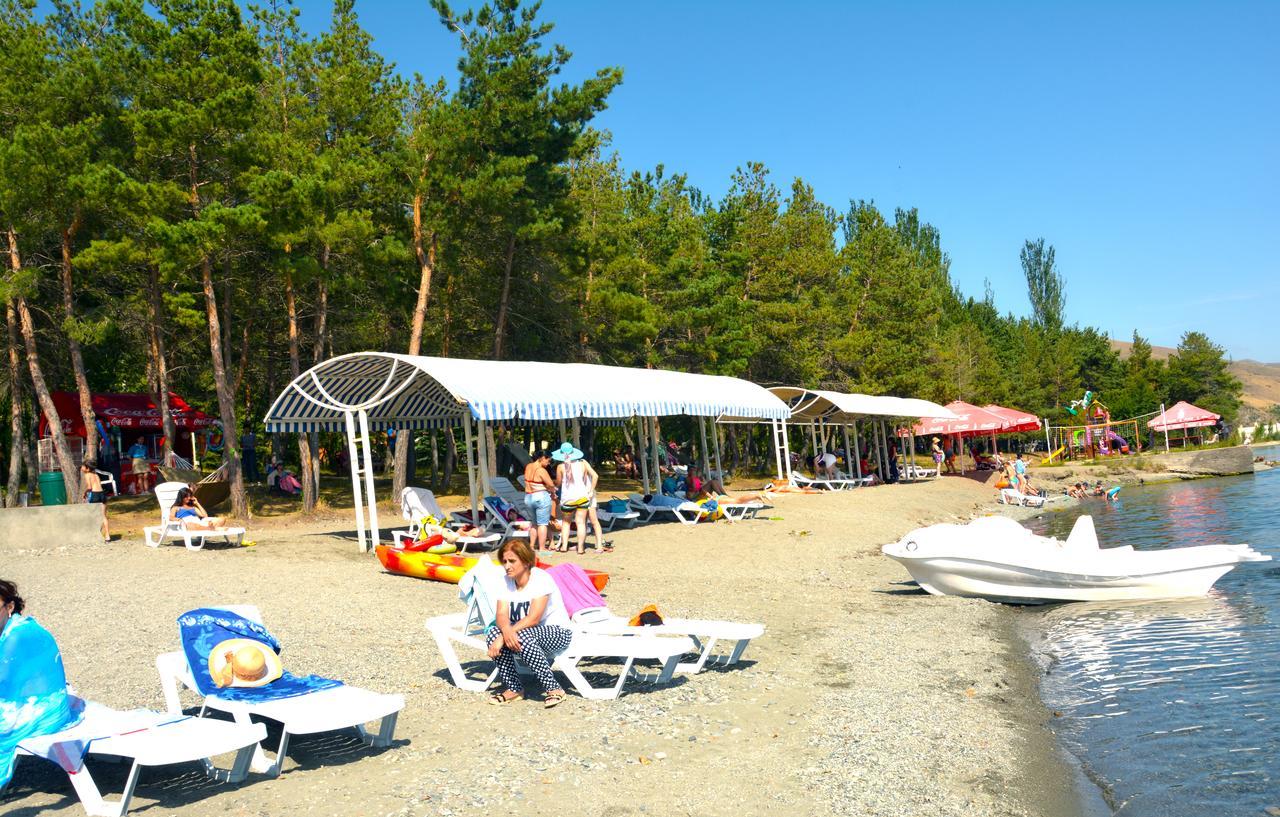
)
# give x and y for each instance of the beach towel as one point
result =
(33, 688)
(205, 628)
(576, 589)
(479, 589)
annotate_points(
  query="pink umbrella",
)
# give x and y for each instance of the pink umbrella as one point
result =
(1183, 415)
(970, 421)
(1015, 419)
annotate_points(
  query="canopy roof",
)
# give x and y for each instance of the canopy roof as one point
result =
(809, 405)
(1016, 419)
(132, 411)
(1183, 415)
(969, 420)
(408, 391)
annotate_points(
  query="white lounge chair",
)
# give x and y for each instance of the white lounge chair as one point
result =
(193, 538)
(801, 481)
(326, 710)
(148, 739)
(416, 503)
(705, 633)
(687, 513)
(1012, 496)
(108, 481)
(608, 519)
(740, 511)
(912, 472)
(464, 629)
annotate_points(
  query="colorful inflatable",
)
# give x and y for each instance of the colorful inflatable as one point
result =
(449, 568)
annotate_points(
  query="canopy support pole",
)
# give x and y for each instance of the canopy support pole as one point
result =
(471, 470)
(813, 435)
(857, 454)
(642, 443)
(576, 425)
(848, 452)
(884, 447)
(362, 466)
(782, 446)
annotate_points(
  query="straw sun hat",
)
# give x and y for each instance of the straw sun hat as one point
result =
(243, 662)
(566, 453)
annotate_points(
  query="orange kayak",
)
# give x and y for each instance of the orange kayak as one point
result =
(448, 567)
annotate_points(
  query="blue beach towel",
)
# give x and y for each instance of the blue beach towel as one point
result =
(33, 688)
(204, 629)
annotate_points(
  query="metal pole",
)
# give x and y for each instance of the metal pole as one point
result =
(353, 452)
(1165, 422)
(654, 441)
(848, 452)
(857, 454)
(777, 429)
(1048, 444)
(703, 455)
(370, 498)
(471, 471)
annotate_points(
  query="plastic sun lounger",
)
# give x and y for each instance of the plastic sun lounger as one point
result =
(687, 513)
(148, 739)
(802, 481)
(704, 633)
(463, 629)
(193, 538)
(327, 710)
(416, 503)
(1010, 496)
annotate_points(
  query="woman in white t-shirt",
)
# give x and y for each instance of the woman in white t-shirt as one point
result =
(531, 621)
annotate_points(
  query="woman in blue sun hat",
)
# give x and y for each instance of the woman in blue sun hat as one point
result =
(577, 495)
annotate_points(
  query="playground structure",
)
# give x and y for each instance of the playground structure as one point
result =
(1097, 436)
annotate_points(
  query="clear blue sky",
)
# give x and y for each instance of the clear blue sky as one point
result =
(1141, 139)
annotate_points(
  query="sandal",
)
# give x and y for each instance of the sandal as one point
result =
(500, 699)
(552, 700)
(607, 548)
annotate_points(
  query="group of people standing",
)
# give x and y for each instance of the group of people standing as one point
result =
(570, 493)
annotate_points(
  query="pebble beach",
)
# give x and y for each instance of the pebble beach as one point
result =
(864, 697)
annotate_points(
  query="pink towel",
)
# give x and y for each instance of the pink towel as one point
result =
(575, 588)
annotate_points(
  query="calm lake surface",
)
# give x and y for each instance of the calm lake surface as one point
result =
(1173, 708)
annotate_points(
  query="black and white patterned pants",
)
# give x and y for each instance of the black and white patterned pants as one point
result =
(538, 647)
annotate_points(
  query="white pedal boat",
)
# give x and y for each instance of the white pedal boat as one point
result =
(997, 559)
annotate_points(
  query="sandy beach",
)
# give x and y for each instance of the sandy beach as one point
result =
(864, 697)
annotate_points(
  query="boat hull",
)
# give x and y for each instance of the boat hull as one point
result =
(448, 568)
(1020, 585)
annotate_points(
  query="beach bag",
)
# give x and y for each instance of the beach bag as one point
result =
(648, 617)
(713, 510)
(615, 505)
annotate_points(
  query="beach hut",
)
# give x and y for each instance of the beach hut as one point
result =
(375, 391)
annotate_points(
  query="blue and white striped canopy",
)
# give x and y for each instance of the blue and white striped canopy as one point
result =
(809, 405)
(406, 391)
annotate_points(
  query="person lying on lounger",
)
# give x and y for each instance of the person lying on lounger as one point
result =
(711, 488)
(187, 509)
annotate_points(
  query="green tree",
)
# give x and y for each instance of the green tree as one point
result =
(1199, 373)
(517, 132)
(1044, 284)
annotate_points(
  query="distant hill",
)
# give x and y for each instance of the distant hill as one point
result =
(1261, 380)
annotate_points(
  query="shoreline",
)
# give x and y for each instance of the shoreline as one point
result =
(864, 696)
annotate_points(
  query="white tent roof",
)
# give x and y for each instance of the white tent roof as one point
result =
(406, 391)
(838, 407)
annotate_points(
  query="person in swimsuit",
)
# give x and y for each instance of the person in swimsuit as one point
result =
(538, 488)
(187, 509)
(93, 492)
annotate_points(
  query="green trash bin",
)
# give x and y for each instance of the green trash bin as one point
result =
(53, 491)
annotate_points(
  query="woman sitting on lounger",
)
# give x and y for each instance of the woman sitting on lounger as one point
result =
(531, 621)
(188, 510)
(711, 488)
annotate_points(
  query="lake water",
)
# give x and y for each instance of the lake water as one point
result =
(1173, 708)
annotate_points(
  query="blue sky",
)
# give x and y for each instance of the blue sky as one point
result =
(1141, 139)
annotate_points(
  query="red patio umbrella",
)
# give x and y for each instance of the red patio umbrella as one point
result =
(1016, 419)
(970, 421)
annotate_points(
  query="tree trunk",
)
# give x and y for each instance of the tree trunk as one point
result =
(77, 359)
(15, 408)
(70, 472)
(426, 267)
(317, 351)
(226, 400)
(160, 361)
(504, 300)
(295, 369)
